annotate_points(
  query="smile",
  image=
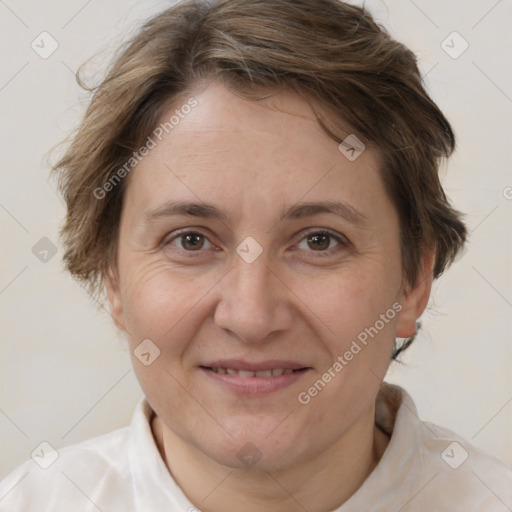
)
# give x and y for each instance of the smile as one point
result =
(254, 380)
(274, 372)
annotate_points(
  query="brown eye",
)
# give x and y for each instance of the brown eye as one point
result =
(319, 241)
(192, 241)
(189, 241)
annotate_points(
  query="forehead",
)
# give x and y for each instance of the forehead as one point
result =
(236, 152)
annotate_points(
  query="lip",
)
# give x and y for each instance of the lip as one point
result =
(254, 386)
(239, 364)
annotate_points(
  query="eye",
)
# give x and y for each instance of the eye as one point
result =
(190, 241)
(321, 241)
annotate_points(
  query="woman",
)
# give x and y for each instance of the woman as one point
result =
(255, 187)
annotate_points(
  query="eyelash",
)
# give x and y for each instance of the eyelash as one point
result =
(342, 241)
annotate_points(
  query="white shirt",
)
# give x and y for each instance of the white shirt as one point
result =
(424, 468)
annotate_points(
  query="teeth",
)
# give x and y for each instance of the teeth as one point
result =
(264, 373)
(275, 372)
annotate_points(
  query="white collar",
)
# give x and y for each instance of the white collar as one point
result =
(396, 414)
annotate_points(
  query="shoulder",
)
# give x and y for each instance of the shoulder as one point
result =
(69, 477)
(434, 467)
(475, 478)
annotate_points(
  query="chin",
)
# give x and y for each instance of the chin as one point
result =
(256, 444)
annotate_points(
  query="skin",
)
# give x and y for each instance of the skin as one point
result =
(296, 301)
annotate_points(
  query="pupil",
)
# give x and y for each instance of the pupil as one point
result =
(323, 240)
(194, 240)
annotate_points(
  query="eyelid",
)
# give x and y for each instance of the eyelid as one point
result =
(334, 234)
(341, 239)
(168, 239)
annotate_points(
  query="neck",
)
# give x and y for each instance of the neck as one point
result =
(319, 484)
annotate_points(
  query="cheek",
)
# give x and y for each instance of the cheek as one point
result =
(359, 312)
(158, 306)
(156, 300)
(350, 302)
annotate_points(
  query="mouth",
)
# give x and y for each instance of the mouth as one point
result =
(274, 372)
(254, 378)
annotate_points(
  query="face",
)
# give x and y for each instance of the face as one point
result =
(264, 266)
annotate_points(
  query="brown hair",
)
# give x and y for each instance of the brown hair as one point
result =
(326, 50)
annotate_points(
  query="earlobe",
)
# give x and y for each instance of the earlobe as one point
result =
(415, 300)
(111, 283)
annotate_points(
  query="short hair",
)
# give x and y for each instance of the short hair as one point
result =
(329, 52)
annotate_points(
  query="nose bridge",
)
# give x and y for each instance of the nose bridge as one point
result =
(253, 302)
(253, 283)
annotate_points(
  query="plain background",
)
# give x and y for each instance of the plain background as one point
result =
(65, 374)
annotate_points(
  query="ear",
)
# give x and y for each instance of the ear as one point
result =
(414, 301)
(111, 282)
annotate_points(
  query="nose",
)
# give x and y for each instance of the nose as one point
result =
(254, 302)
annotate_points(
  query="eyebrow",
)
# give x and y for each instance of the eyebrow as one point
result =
(185, 208)
(298, 211)
(343, 210)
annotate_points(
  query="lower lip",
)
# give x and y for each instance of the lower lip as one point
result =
(255, 385)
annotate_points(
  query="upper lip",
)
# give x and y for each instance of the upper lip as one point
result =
(253, 366)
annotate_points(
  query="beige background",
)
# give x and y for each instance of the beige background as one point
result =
(65, 375)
